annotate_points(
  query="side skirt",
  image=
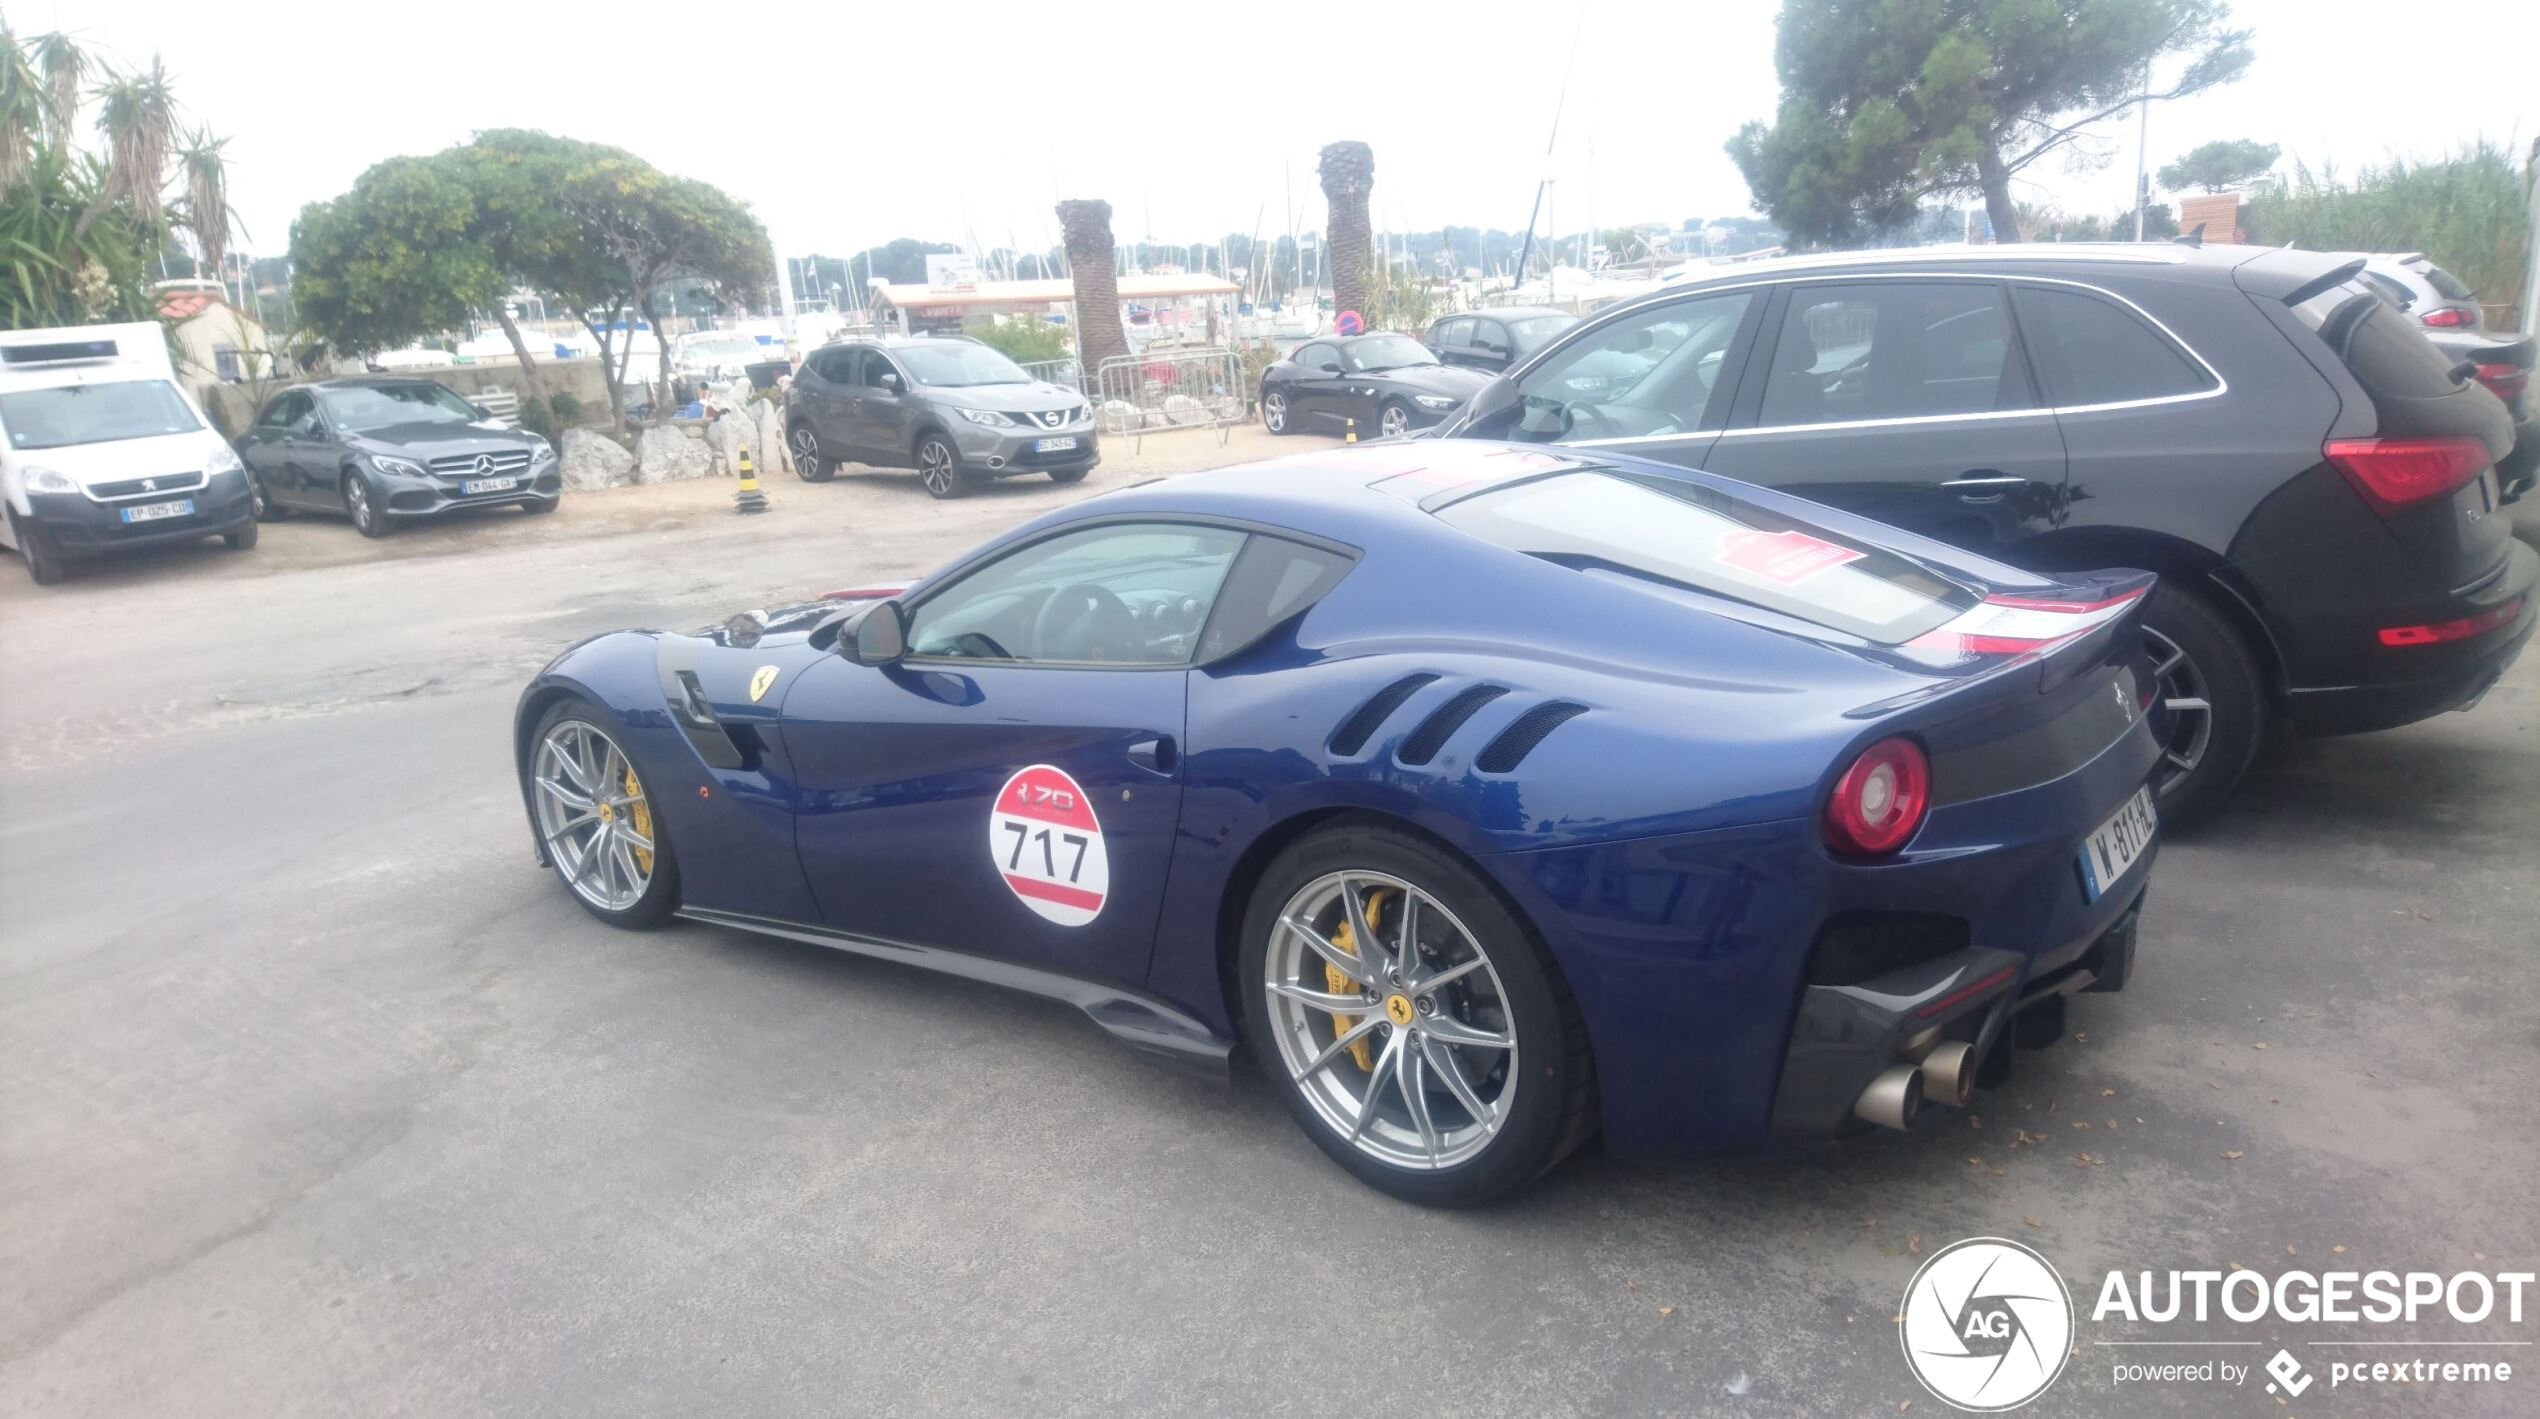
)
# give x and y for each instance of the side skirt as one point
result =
(1142, 1022)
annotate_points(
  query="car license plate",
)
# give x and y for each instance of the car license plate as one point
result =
(489, 485)
(152, 512)
(2107, 853)
(1053, 445)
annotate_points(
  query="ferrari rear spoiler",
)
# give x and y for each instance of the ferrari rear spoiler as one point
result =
(2064, 634)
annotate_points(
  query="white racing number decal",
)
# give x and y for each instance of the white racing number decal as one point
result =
(1045, 841)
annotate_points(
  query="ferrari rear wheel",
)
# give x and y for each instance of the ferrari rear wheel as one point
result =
(1410, 1020)
(597, 822)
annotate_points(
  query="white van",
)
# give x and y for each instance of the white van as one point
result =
(101, 450)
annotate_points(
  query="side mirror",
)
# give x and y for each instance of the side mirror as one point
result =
(482, 412)
(1328, 367)
(881, 635)
(891, 381)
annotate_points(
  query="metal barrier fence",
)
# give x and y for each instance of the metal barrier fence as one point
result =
(1170, 389)
(1065, 373)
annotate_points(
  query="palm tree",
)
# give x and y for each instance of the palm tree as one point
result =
(137, 113)
(1348, 171)
(63, 65)
(1086, 226)
(207, 195)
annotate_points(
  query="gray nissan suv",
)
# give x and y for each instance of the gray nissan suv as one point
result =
(948, 406)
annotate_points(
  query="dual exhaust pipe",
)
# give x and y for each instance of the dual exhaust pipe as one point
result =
(1945, 1073)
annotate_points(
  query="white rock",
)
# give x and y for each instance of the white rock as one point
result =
(667, 455)
(591, 460)
(773, 455)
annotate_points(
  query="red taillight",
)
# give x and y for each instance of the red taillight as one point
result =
(1879, 801)
(2460, 630)
(2506, 382)
(2450, 317)
(2393, 474)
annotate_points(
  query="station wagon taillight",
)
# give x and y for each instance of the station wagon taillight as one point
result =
(2450, 317)
(1880, 800)
(2506, 382)
(2396, 474)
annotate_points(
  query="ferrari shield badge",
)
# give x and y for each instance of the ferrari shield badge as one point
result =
(1046, 843)
(759, 682)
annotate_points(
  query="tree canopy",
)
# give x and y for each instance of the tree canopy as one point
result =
(1888, 101)
(2220, 165)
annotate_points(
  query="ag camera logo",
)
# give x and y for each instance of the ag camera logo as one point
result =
(1988, 1325)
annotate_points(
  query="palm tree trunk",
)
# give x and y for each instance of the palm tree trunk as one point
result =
(1348, 171)
(1086, 225)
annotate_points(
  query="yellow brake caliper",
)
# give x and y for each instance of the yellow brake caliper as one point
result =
(642, 814)
(1338, 982)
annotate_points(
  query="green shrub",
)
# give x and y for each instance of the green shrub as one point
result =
(568, 410)
(2466, 212)
(1024, 341)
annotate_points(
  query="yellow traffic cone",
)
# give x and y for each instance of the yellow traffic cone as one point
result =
(750, 498)
(1352, 435)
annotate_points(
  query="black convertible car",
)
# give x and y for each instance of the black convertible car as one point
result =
(1379, 384)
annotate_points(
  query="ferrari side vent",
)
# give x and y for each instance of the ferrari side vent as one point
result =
(1440, 726)
(1514, 743)
(1364, 721)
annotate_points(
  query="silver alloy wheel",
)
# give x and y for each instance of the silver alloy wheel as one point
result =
(2181, 690)
(357, 501)
(1393, 420)
(935, 467)
(593, 815)
(806, 451)
(1425, 1009)
(1274, 412)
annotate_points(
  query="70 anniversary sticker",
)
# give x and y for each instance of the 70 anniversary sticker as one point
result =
(1047, 844)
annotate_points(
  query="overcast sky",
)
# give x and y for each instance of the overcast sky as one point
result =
(848, 125)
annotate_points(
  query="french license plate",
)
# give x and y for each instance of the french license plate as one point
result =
(1053, 445)
(2117, 844)
(153, 512)
(489, 485)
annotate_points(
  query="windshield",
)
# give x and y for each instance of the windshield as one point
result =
(359, 408)
(1534, 330)
(959, 365)
(1385, 352)
(95, 413)
(1684, 534)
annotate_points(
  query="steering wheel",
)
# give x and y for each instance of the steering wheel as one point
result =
(1581, 411)
(1081, 622)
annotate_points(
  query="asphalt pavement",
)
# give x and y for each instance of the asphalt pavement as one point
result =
(318, 1097)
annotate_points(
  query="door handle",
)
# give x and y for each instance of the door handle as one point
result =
(1983, 485)
(1154, 754)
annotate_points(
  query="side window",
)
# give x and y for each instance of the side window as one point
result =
(1132, 594)
(1653, 372)
(871, 365)
(1312, 358)
(1892, 350)
(1454, 333)
(833, 366)
(1273, 580)
(1491, 333)
(2092, 351)
(287, 409)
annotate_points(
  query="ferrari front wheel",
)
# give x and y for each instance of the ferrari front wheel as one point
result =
(595, 818)
(1410, 1020)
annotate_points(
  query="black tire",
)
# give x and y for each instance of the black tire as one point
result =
(661, 895)
(2217, 663)
(540, 507)
(810, 464)
(939, 468)
(44, 565)
(267, 510)
(1280, 420)
(1064, 476)
(1555, 1110)
(363, 504)
(240, 540)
